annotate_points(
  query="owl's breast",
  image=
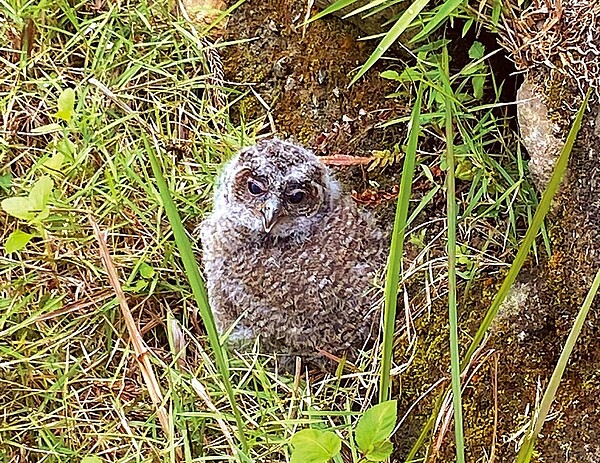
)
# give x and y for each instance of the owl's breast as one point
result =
(319, 275)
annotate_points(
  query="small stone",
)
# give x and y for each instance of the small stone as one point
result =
(290, 84)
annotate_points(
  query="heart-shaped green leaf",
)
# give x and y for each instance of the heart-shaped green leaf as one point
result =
(16, 241)
(66, 105)
(376, 425)
(315, 446)
(18, 207)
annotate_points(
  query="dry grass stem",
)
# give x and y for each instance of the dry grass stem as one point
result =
(140, 348)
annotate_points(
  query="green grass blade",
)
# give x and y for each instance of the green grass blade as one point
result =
(187, 256)
(532, 231)
(527, 448)
(452, 309)
(366, 7)
(397, 247)
(443, 13)
(336, 6)
(197, 285)
(397, 29)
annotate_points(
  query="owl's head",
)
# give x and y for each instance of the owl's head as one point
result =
(276, 188)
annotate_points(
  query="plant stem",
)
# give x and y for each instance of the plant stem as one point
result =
(452, 309)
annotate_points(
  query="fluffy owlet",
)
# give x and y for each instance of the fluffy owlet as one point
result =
(289, 259)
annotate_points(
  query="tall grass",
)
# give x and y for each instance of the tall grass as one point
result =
(452, 308)
(397, 247)
(197, 285)
(150, 138)
(532, 231)
(518, 262)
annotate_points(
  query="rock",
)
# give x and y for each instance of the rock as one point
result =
(538, 134)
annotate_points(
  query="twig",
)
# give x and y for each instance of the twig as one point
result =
(139, 346)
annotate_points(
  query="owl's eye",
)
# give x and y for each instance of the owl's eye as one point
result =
(296, 197)
(255, 188)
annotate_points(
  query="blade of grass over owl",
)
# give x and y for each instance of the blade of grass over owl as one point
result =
(532, 231)
(452, 309)
(528, 445)
(397, 247)
(196, 284)
(187, 255)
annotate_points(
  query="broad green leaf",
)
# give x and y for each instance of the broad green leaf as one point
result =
(476, 51)
(66, 104)
(55, 162)
(315, 446)
(390, 74)
(16, 241)
(408, 75)
(18, 207)
(146, 271)
(40, 192)
(478, 82)
(396, 31)
(381, 451)
(412, 75)
(376, 425)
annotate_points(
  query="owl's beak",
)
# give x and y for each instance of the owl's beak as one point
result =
(271, 212)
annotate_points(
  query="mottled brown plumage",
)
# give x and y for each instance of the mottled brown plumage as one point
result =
(289, 259)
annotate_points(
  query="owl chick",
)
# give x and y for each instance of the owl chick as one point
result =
(289, 259)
